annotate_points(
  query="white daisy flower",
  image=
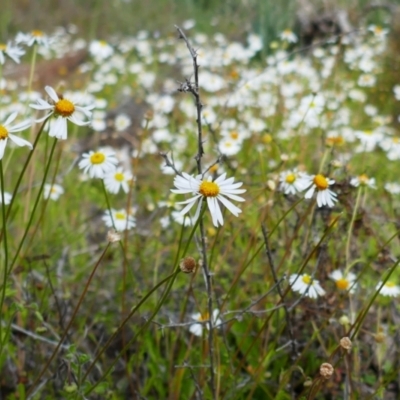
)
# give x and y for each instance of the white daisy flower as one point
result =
(388, 289)
(305, 284)
(116, 180)
(34, 37)
(214, 191)
(344, 282)
(392, 188)
(52, 191)
(6, 132)
(325, 196)
(63, 110)
(122, 122)
(100, 49)
(197, 329)
(98, 164)
(363, 180)
(292, 181)
(288, 36)
(119, 219)
(14, 52)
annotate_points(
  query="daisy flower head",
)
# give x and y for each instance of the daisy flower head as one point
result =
(14, 52)
(215, 192)
(288, 36)
(389, 289)
(197, 329)
(119, 219)
(292, 181)
(319, 183)
(6, 132)
(34, 37)
(344, 282)
(98, 163)
(52, 191)
(306, 285)
(363, 180)
(62, 109)
(117, 179)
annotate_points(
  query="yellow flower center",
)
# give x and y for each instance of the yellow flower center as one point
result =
(378, 30)
(267, 138)
(97, 158)
(3, 133)
(103, 43)
(234, 135)
(120, 215)
(64, 107)
(3, 47)
(37, 33)
(209, 189)
(363, 179)
(390, 284)
(342, 284)
(290, 178)
(306, 279)
(214, 168)
(204, 317)
(119, 176)
(321, 182)
(335, 140)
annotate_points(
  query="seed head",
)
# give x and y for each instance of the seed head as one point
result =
(326, 370)
(188, 265)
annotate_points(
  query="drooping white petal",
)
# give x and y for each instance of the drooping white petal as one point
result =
(52, 93)
(19, 141)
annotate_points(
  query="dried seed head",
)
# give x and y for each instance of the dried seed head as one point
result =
(113, 236)
(345, 343)
(326, 370)
(380, 337)
(188, 265)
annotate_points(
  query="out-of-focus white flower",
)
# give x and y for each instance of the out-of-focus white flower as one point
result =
(100, 49)
(14, 52)
(119, 219)
(122, 122)
(344, 282)
(6, 132)
(305, 284)
(293, 181)
(116, 180)
(52, 191)
(363, 180)
(288, 36)
(197, 329)
(389, 289)
(98, 164)
(32, 38)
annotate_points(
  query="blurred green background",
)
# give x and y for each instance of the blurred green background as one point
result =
(102, 18)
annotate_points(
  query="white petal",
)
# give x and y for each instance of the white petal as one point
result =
(19, 141)
(230, 206)
(10, 119)
(52, 93)
(3, 144)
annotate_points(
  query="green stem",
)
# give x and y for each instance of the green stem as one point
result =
(71, 320)
(4, 232)
(38, 197)
(353, 218)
